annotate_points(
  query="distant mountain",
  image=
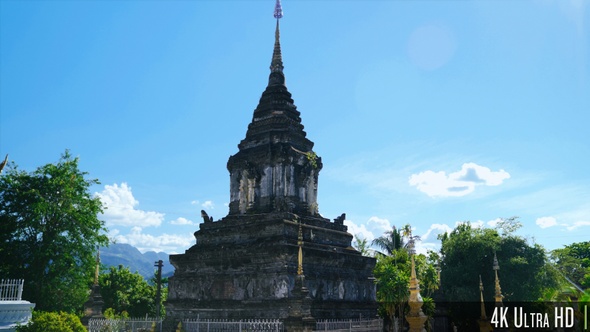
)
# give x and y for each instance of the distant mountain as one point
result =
(127, 255)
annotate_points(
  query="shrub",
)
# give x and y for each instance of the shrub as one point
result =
(52, 322)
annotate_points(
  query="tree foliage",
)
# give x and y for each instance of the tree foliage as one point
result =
(361, 245)
(389, 242)
(52, 322)
(574, 262)
(129, 294)
(468, 252)
(49, 232)
(392, 284)
(392, 274)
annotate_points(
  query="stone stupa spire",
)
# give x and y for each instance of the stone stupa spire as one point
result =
(276, 64)
(275, 168)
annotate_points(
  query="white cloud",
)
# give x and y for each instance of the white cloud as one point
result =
(423, 247)
(182, 221)
(545, 222)
(436, 229)
(381, 223)
(195, 202)
(494, 222)
(360, 231)
(578, 224)
(168, 243)
(208, 205)
(458, 183)
(120, 208)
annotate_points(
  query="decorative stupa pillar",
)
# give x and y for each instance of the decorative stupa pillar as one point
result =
(93, 307)
(484, 324)
(498, 294)
(300, 319)
(415, 317)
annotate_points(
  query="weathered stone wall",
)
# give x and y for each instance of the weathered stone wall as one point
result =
(241, 265)
(276, 178)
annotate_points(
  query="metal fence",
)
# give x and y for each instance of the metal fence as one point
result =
(221, 325)
(11, 289)
(218, 325)
(125, 325)
(358, 325)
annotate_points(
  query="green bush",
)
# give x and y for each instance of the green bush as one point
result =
(52, 322)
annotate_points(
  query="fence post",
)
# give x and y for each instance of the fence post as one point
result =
(20, 290)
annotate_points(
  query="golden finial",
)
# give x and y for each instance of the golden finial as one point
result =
(498, 296)
(483, 308)
(484, 324)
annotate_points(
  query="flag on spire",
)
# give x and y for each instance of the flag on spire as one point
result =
(278, 10)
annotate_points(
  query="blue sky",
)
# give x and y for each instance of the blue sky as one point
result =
(424, 112)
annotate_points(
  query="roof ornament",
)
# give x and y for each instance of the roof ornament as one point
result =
(278, 10)
(277, 59)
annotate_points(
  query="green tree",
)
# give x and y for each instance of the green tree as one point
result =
(392, 273)
(127, 292)
(468, 252)
(573, 261)
(361, 245)
(389, 242)
(49, 231)
(52, 322)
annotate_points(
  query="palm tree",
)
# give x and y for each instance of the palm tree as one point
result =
(395, 239)
(389, 242)
(407, 233)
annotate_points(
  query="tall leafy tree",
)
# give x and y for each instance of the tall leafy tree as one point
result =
(573, 261)
(49, 231)
(127, 293)
(392, 274)
(468, 252)
(389, 242)
(361, 245)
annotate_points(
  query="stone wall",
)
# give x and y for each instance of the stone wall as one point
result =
(245, 267)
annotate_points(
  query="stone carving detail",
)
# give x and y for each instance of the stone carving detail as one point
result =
(340, 220)
(206, 217)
